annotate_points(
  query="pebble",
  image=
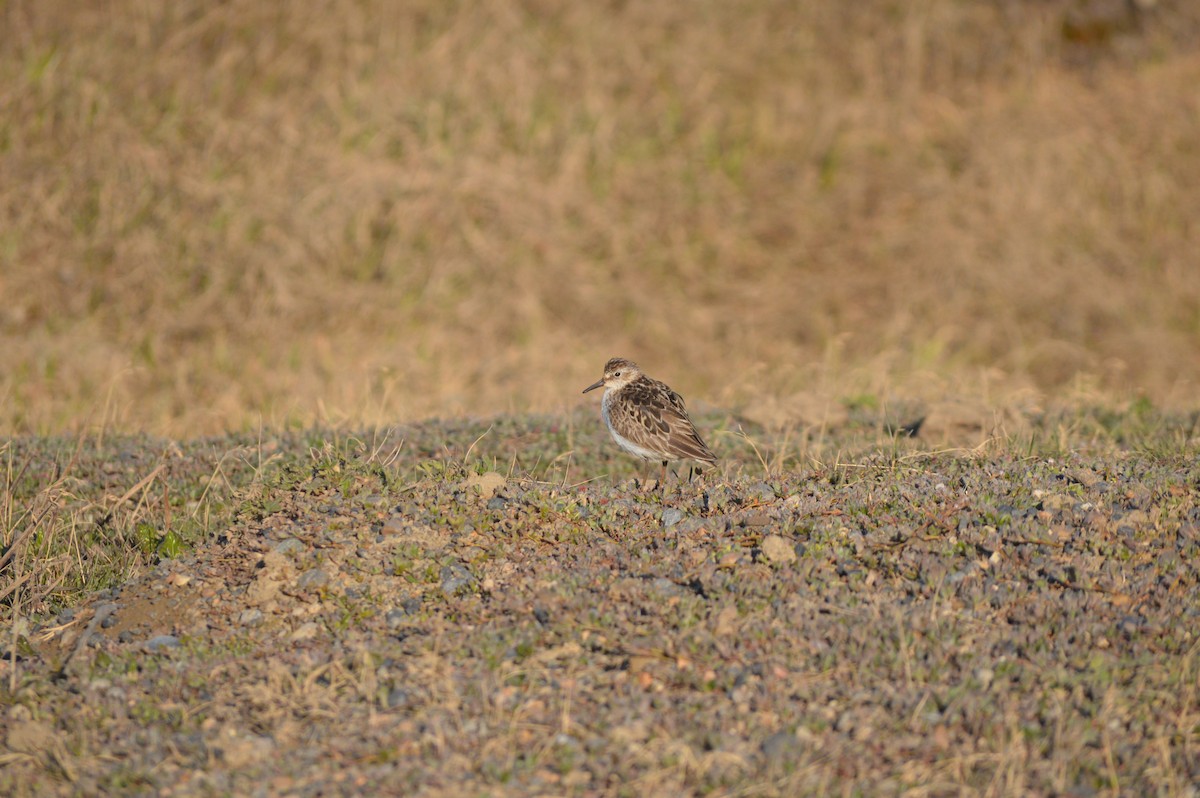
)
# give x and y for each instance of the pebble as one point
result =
(780, 747)
(306, 631)
(251, 617)
(761, 491)
(315, 578)
(161, 642)
(289, 545)
(671, 516)
(665, 588)
(398, 698)
(455, 578)
(778, 549)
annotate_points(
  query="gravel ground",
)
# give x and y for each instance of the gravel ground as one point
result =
(477, 611)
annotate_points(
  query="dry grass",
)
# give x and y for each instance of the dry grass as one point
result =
(216, 214)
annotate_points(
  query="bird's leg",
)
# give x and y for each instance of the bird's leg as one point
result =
(663, 480)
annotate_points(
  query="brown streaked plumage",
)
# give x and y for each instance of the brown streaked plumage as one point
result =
(647, 418)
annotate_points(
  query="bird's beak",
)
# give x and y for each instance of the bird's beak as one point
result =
(597, 384)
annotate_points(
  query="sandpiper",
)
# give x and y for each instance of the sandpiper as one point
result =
(647, 418)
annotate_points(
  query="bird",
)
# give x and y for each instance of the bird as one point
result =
(647, 418)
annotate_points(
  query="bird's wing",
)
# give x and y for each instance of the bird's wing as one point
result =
(664, 412)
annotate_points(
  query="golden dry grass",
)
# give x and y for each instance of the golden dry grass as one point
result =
(216, 215)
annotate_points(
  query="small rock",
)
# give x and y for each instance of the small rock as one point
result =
(780, 747)
(30, 737)
(240, 750)
(289, 546)
(162, 642)
(306, 631)
(455, 578)
(671, 516)
(541, 615)
(394, 525)
(398, 698)
(311, 580)
(250, 617)
(721, 497)
(665, 588)
(1055, 502)
(484, 485)
(777, 549)
(1135, 519)
(1084, 476)
(497, 503)
(761, 491)
(374, 500)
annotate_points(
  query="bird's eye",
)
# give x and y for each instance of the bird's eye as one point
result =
(616, 374)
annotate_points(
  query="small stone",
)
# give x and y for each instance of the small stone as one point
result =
(761, 491)
(289, 546)
(778, 549)
(1053, 502)
(250, 617)
(398, 698)
(1084, 476)
(455, 577)
(721, 498)
(374, 500)
(162, 642)
(497, 503)
(311, 580)
(306, 631)
(484, 485)
(780, 747)
(31, 737)
(665, 588)
(671, 516)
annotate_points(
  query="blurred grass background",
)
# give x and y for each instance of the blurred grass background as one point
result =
(216, 215)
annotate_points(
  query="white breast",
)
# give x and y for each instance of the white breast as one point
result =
(623, 442)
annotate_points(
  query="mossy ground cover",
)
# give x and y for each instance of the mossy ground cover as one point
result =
(509, 608)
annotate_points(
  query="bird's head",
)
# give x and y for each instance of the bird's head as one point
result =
(618, 373)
